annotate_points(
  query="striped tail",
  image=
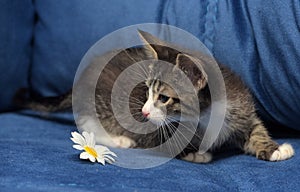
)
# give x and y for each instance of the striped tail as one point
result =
(43, 104)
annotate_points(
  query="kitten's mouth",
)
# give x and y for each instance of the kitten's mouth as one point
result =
(158, 121)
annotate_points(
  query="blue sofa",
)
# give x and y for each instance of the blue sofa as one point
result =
(43, 41)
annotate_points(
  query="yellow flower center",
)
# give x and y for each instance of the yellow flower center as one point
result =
(90, 151)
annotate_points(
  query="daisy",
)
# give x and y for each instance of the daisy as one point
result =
(93, 152)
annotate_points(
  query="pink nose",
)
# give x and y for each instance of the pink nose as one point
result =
(145, 114)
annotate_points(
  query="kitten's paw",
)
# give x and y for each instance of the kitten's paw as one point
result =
(198, 158)
(284, 151)
(123, 142)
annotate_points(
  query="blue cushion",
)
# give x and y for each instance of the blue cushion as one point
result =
(67, 29)
(260, 40)
(262, 49)
(17, 22)
(192, 16)
(37, 155)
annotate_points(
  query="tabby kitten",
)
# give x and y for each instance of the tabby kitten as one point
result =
(156, 102)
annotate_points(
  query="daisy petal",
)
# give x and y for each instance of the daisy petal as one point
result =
(101, 149)
(78, 147)
(101, 160)
(87, 138)
(92, 158)
(109, 161)
(93, 142)
(110, 153)
(84, 155)
(92, 152)
(77, 138)
(109, 158)
(104, 150)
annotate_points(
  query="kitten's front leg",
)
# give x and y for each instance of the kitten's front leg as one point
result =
(198, 157)
(123, 142)
(89, 124)
(261, 145)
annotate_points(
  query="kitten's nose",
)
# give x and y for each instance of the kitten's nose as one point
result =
(145, 114)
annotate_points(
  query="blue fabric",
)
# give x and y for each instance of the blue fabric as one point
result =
(183, 15)
(67, 29)
(264, 50)
(37, 155)
(16, 19)
(260, 40)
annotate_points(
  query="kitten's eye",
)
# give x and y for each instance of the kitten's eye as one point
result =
(176, 100)
(163, 98)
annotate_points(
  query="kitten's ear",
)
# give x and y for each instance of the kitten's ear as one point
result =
(192, 67)
(153, 45)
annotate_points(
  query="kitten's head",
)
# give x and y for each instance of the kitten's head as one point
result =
(164, 104)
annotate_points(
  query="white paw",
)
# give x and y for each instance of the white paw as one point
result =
(123, 142)
(198, 158)
(284, 151)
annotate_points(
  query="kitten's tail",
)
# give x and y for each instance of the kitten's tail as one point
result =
(43, 104)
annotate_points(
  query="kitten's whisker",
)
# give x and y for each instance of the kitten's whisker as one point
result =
(177, 137)
(166, 135)
(137, 100)
(124, 117)
(129, 102)
(138, 73)
(161, 136)
(184, 137)
(136, 109)
(145, 74)
(137, 112)
(137, 115)
(177, 142)
(194, 133)
(170, 118)
(130, 56)
(137, 105)
(163, 132)
(144, 70)
(159, 128)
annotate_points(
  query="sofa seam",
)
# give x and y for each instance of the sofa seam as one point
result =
(209, 24)
(31, 59)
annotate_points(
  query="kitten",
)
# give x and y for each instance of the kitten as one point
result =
(156, 101)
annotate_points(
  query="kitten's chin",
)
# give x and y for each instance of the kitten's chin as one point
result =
(157, 121)
(163, 120)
